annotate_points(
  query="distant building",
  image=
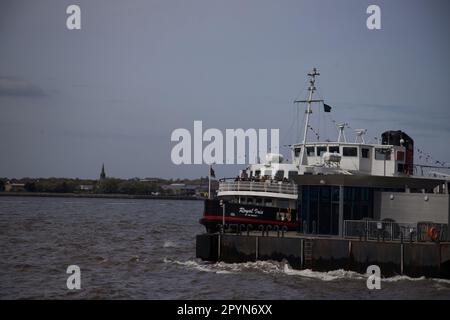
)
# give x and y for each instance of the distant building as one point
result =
(202, 191)
(14, 187)
(154, 180)
(189, 190)
(180, 189)
(86, 187)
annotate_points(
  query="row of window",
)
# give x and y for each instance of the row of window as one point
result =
(380, 153)
(278, 175)
(280, 203)
(346, 151)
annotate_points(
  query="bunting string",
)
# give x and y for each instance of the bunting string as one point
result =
(428, 158)
(315, 133)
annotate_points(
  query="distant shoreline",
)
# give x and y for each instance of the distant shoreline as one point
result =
(94, 195)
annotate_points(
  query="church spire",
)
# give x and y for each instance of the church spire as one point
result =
(103, 174)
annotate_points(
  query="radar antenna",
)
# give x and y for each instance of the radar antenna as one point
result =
(341, 128)
(360, 135)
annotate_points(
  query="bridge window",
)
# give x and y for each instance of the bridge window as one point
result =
(350, 151)
(310, 151)
(365, 153)
(382, 154)
(333, 149)
(321, 151)
(297, 152)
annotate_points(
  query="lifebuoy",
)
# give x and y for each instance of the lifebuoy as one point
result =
(433, 233)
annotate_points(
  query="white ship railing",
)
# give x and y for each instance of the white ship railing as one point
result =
(256, 186)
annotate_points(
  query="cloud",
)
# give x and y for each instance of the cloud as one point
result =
(10, 86)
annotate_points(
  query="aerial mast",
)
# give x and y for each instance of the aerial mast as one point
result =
(312, 75)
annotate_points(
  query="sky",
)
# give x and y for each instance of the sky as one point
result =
(114, 91)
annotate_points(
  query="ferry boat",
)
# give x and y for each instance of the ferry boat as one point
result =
(262, 194)
(330, 184)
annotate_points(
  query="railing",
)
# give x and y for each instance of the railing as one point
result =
(256, 186)
(393, 231)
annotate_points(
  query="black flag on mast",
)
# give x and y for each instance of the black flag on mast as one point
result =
(212, 174)
(326, 108)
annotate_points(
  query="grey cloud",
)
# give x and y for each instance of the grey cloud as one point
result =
(10, 86)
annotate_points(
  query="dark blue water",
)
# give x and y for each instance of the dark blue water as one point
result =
(145, 249)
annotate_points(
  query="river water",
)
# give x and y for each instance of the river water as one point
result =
(145, 249)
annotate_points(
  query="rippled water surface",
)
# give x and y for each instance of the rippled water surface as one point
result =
(145, 249)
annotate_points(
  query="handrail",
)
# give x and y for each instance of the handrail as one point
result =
(280, 187)
(391, 230)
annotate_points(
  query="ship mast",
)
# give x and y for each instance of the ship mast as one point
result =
(312, 75)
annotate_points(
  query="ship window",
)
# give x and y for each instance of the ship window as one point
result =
(249, 200)
(310, 151)
(333, 149)
(292, 174)
(381, 153)
(321, 151)
(268, 172)
(297, 152)
(283, 203)
(257, 173)
(279, 175)
(258, 200)
(350, 151)
(268, 202)
(365, 153)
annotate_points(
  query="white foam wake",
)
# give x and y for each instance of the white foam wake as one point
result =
(192, 264)
(284, 268)
(269, 267)
(402, 278)
(324, 276)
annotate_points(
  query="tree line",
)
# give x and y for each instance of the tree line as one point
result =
(103, 186)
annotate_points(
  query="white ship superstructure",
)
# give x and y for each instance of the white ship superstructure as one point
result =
(331, 184)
